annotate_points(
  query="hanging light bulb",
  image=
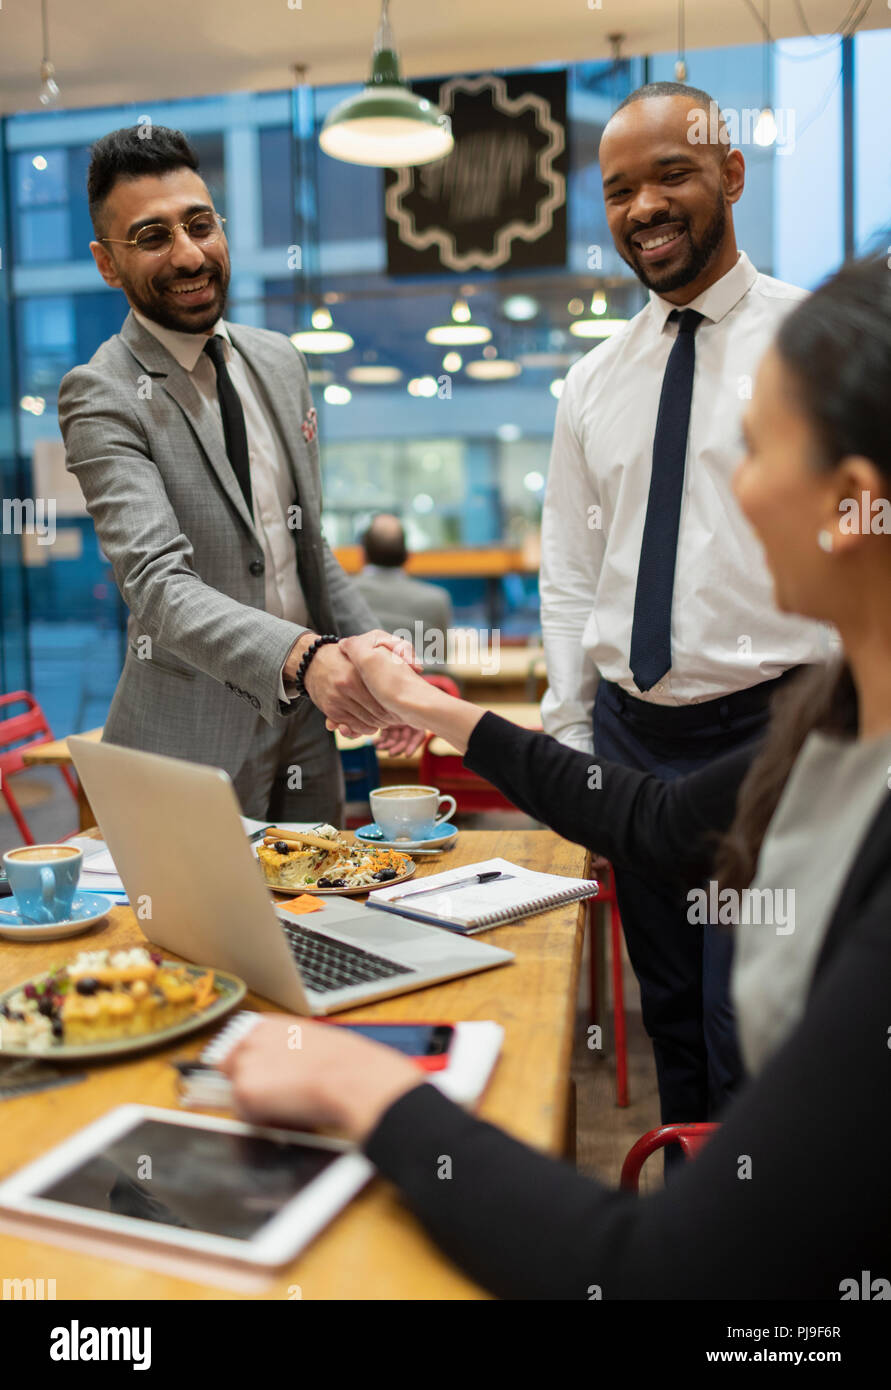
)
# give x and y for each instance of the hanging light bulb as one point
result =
(323, 337)
(596, 328)
(598, 302)
(386, 125)
(680, 67)
(493, 369)
(765, 132)
(461, 332)
(49, 87)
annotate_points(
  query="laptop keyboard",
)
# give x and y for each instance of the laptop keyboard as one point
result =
(326, 964)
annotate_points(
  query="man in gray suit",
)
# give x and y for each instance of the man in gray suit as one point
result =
(195, 445)
(400, 603)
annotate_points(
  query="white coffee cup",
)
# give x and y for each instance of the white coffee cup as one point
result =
(410, 813)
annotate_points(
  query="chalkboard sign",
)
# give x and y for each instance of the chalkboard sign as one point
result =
(499, 198)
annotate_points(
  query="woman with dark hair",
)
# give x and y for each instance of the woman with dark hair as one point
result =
(789, 1198)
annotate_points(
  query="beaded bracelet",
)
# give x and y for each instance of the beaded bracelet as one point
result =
(300, 677)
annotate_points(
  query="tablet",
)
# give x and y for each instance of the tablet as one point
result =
(213, 1186)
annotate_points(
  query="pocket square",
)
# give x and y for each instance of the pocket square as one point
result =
(310, 426)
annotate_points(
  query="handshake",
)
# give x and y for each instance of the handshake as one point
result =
(362, 684)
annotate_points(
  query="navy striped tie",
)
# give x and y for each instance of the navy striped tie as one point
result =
(651, 629)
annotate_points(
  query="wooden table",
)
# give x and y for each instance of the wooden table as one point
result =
(510, 674)
(375, 1249)
(394, 771)
(527, 716)
(57, 754)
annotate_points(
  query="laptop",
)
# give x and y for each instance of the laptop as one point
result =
(175, 834)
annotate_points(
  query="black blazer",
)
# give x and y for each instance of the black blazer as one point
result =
(789, 1198)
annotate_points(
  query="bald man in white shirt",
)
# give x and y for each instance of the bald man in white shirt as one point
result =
(651, 579)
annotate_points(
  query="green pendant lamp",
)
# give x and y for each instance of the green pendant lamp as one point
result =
(386, 125)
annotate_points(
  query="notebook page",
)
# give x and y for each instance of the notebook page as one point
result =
(465, 905)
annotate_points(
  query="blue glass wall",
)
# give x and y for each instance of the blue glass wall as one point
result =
(15, 672)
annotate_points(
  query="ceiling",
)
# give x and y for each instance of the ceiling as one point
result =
(108, 52)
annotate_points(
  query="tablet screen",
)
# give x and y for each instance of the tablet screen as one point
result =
(199, 1179)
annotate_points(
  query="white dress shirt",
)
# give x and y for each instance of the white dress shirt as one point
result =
(272, 483)
(726, 631)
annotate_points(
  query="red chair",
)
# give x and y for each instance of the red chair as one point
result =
(447, 772)
(690, 1138)
(607, 898)
(444, 683)
(24, 730)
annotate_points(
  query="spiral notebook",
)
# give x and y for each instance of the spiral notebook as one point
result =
(472, 907)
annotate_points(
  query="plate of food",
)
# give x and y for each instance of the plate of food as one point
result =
(325, 861)
(101, 1004)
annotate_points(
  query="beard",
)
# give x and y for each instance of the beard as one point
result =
(158, 306)
(700, 252)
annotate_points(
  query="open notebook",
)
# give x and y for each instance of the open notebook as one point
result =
(475, 907)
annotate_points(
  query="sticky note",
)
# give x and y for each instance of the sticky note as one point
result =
(303, 903)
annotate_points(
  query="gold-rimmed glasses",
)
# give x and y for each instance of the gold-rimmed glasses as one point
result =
(157, 238)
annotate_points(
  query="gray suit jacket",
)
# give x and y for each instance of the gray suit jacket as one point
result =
(169, 514)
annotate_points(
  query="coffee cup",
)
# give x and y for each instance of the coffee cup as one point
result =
(44, 879)
(410, 813)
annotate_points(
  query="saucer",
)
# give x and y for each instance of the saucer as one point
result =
(86, 910)
(441, 836)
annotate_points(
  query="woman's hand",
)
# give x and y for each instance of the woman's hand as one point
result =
(298, 1073)
(392, 682)
(410, 699)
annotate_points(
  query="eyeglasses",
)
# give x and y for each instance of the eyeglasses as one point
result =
(157, 238)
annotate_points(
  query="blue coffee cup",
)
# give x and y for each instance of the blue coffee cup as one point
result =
(44, 879)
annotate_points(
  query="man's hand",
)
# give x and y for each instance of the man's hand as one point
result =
(412, 702)
(394, 683)
(335, 686)
(400, 740)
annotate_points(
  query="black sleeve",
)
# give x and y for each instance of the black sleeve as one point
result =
(788, 1198)
(664, 830)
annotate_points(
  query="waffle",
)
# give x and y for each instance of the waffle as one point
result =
(101, 996)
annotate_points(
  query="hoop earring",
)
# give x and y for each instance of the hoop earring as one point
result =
(824, 541)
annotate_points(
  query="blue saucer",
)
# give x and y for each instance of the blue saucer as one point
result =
(442, 834)
(86, 910)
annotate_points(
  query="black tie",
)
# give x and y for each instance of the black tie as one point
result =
(651, 629)
(232, 414)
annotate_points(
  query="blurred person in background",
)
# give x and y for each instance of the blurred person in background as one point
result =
(412, 608)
